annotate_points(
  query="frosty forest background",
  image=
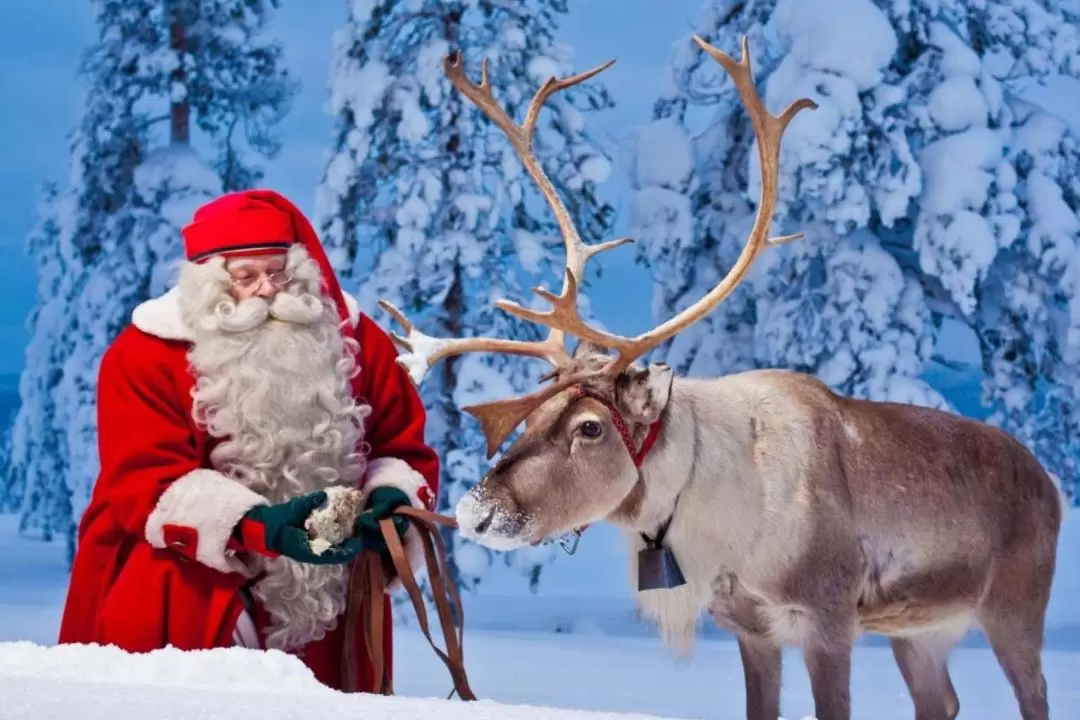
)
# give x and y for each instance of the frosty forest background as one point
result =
(938, 185)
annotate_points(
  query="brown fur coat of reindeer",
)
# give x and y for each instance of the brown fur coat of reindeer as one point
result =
(796, 516)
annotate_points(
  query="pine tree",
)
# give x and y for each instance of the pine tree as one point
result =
(113, 239)
(425, 204)
(929, 192)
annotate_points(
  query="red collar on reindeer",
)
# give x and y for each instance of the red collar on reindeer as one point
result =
(257, 222)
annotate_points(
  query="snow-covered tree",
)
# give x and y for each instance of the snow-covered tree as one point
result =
(111, 238)
(34, 448)
(1028, 317)
(927, 189)
(424, 202)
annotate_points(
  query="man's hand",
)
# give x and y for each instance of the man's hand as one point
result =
(380, 505)
(279, 529)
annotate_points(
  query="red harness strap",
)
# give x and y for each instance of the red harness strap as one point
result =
(647, 444)
(637, 455)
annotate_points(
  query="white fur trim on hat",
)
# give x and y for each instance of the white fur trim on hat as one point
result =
(201, 509)
(161, 316)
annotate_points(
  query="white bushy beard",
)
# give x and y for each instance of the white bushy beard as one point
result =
(273, 380)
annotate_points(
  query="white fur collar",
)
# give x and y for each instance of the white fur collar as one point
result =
(161, 317)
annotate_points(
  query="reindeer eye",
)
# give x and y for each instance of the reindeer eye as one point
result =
(591, 429)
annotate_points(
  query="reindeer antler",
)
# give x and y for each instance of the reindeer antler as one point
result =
(499, 418)
(768, 129)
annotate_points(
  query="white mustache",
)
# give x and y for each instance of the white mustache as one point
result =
(240, 317)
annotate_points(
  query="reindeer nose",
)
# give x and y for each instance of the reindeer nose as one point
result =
(485, 523)
(486, 520)
(473, 516)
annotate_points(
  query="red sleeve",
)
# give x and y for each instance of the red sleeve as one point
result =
(399, 455)
(151, 480)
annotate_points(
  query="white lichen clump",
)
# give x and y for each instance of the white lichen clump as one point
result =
(334, 522)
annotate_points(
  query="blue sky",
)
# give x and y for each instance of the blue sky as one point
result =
(39, 103)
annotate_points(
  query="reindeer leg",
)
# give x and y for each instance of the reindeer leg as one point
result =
(1017, 642)
(828, 659)
(1013, 616)
(761, 661)
(922, 661)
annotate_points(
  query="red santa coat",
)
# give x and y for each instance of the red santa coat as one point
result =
(153, 567)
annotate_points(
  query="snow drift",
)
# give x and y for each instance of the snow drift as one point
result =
(104, 683)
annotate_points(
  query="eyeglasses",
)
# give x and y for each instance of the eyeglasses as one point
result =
(280, 280)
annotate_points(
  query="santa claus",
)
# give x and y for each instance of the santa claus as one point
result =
(225, 410)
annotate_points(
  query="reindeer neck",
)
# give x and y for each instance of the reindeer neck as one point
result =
(702, 461)
(666, 470)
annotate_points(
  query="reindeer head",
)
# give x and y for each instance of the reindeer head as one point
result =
(578, 459)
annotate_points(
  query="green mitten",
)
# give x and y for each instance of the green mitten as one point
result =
(273, 530)
(381, 503)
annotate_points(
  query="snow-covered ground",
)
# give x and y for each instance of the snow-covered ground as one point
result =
(600, 660)
(104, 683)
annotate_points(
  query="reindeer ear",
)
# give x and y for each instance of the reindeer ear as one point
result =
(642, 395)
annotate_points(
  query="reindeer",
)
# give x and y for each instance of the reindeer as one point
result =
(790, 514)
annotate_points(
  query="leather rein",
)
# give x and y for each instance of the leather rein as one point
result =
(366, 602)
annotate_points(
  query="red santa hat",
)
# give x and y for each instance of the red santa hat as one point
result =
(257, 222)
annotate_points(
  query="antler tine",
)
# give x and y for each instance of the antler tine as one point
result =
(424, 351)
(521, 138)
(553, 85)
(564, 316)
